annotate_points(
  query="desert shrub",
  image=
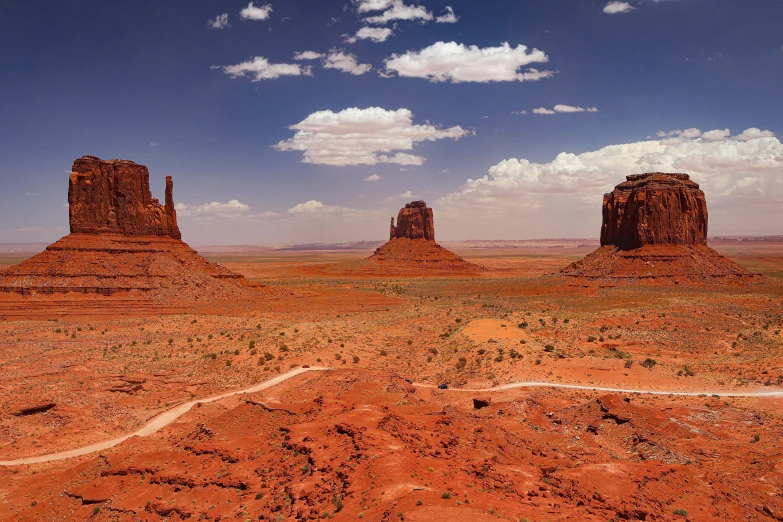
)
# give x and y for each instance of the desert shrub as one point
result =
(538, 361)
(681, 512)
(482, 351)
(228, 362)
(523, 324)
(253, 351)
(410, 342)
(648, 363)
(268, 356)
(549, 348)
(252, 345)
(628, 363)
(591, 339)
(355, 359)
(283, 348)
(383, 353)
(446, 495)
(171, 341)
(461, 363)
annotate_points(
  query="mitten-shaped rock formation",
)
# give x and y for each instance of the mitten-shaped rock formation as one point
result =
(114, 197)
(122, 241)
(412, 244)
(655, 229)
(415, 221)
(655, 209)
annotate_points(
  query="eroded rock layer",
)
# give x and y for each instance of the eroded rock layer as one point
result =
(655, 229)
(114, 197)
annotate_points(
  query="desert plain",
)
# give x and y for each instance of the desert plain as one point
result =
(405, 412)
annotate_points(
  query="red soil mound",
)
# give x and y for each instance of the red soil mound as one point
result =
(658, 263)
(110, 263)
(421, 253)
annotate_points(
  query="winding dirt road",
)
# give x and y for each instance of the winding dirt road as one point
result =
(169, 416)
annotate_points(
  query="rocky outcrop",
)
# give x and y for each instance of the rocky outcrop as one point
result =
(655, 231)
(125, 242)
(415, 221)
(412, 244)
(114, 197)
(654, 209)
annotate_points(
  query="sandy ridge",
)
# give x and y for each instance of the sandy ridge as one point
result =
(169, 416)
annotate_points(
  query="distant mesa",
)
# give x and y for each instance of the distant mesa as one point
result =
(655, 228)
(412, 243)
(122, 241)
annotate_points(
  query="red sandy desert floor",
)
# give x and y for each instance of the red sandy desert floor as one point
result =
(375, 440)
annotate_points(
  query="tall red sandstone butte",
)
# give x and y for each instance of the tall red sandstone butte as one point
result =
(412, 243)
(655, 229)
(655, 209)
(122, 241)
(114, 197)
(415, 221)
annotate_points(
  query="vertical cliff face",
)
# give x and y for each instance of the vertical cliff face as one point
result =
(654, 209)
(114, 197)
(415, 221)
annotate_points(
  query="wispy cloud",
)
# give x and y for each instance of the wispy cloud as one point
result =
(259, 68)
(220, 22)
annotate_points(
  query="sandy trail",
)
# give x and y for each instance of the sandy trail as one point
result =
(169, 416)
(161, 421)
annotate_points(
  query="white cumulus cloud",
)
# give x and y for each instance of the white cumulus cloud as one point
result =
(742, 177)
(376, 34)
(251, 12)
(616, 7)
(373, 177)
(231, 209)
(449, 17)
(220, 22)
(451, 61)
(345, 62)
(259, 68)
(363, 137)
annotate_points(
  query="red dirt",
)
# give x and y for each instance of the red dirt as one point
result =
(368, 445)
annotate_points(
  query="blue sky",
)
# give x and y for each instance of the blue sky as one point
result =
(153, 82)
